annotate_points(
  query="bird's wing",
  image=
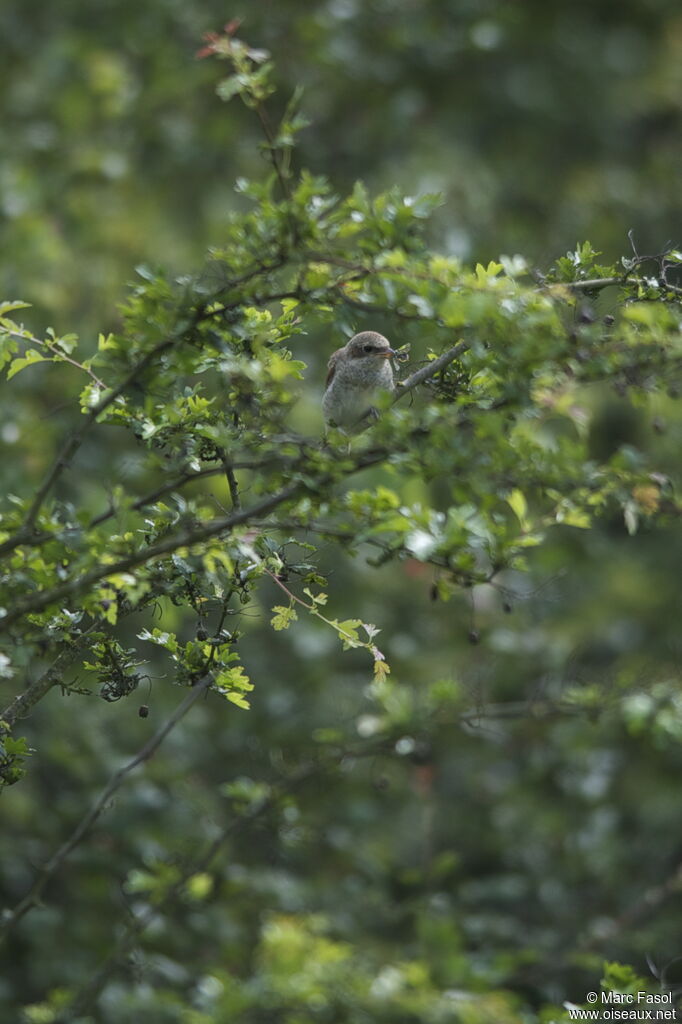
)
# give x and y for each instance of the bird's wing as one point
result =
(331, 366)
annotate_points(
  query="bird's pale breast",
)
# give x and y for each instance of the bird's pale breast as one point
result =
(353, 388)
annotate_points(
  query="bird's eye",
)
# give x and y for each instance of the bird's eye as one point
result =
(368, 348)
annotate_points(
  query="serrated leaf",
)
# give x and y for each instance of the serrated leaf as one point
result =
(239, 700)
(234, 677)
(283, 617)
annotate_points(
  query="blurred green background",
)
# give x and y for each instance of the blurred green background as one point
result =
(541, 125)
(506, 853)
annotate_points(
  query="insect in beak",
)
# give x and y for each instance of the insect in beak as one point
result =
(387, 353)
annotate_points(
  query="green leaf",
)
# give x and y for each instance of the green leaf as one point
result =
(283, 617)
(89, 397)
(233, 677)
(239, 700)
(160, 637)
(381, 669)
(455, 311)
(31, 357)
(517, 502)
(631, 517)
(231, 86)
(576, 517)
(12, 306)
(348, 633)
(199, 886)
(484, 274)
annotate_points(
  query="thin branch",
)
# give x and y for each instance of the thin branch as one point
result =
(233, 487)
(595, 284)
(153, 496)
(672, 288)
(647, 904)
(32, 897)
(74, 587)
(598, 283)
(71, 445)
(35, 540)
(52, 676)
(430, 370)
(60, 355)
(73, 442)
(273, 150)
(232, 484)
(71, 588)
(314, 610)
(523, 710)
(185, 478)
(35, 692)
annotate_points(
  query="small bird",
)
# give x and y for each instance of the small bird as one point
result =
(356, 372)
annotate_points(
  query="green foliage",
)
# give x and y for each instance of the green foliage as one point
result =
(13, 751)
(193, 487)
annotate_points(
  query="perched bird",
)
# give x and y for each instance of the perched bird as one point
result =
(356, 373)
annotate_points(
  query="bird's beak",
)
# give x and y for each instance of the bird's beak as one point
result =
(387, 353)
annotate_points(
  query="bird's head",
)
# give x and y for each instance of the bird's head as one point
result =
(369, 345)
